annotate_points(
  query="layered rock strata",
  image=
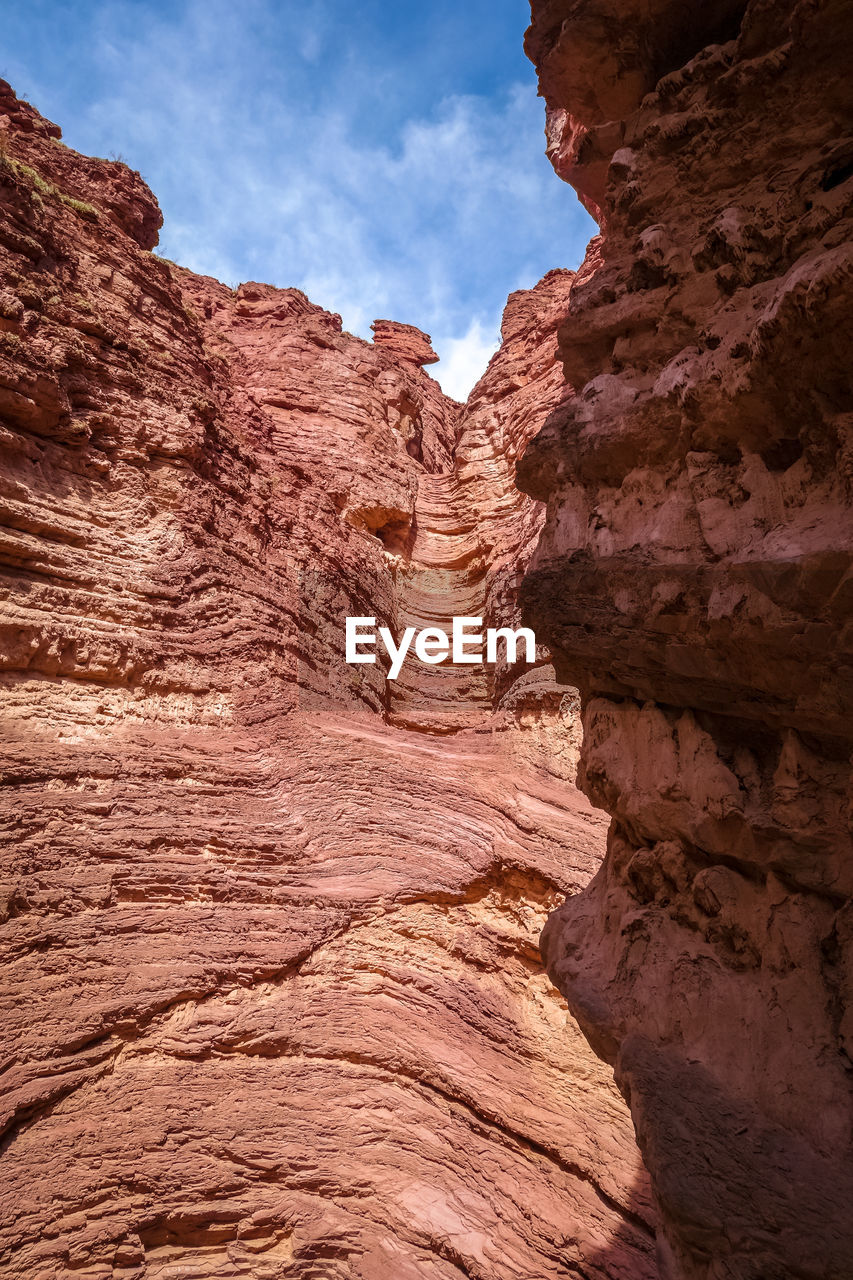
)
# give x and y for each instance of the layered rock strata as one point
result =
(472, 534)
(694, 579)
(273, 1004)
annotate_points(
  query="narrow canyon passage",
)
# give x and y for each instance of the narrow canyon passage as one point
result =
(273, 1002)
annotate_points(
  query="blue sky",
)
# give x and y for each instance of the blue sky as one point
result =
(386, 158)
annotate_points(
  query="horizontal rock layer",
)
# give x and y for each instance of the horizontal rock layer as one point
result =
(274, 1004)
(694, 578)
(280, 1012)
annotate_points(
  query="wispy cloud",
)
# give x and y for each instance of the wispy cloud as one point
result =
(464, 359)
(277, 154)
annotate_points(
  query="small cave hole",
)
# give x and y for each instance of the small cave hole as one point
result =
(729, 454)
(646, 275)
(389, 525)
(836, 174)
(781, 454)
(394, 535)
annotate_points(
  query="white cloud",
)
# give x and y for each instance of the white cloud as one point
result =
(270, 168)
(464, 360)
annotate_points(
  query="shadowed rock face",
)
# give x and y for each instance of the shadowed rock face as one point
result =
(694, 580)
(273, 1004)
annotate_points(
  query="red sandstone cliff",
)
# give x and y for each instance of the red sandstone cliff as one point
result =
(273, 1004)
(694, 579)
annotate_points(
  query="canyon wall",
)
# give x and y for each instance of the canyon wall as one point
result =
(272, 1000)
(694, 579)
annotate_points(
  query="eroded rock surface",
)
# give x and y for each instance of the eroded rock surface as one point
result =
(694, 579)
(273, 1004)
(404, 341)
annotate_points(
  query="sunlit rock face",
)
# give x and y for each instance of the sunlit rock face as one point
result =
(273, 1004)
(694, 580)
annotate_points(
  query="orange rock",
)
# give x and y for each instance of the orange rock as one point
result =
(404, 341)
(273, 1002)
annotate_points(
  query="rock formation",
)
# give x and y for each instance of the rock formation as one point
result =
(694, 580)
(273, 1004)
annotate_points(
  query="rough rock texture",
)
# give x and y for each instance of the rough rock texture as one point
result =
(472, 534)
(272, 1000)
(694, 580)
(404, 341)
